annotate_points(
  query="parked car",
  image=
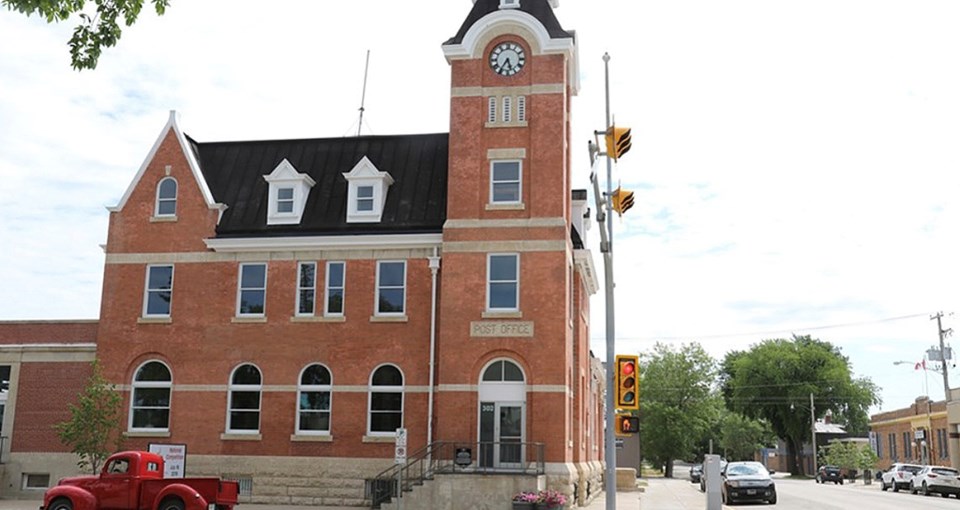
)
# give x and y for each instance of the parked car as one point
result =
(829, 474)
(940, 479)
(898, 476)
(747, 481)
(696, 471)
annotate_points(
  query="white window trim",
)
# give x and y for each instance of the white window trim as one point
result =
(245, 387)
(385, 389)
(175, 199)
(296, 311)
(240, 288)
(146, 292)
(135, 385)
(314, 388)
(519, 182)
(376, 297)
(342, 287)
(516, 259)
(286, 176)
(365, 173)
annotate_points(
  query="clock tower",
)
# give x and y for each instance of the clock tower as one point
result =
(512, 313)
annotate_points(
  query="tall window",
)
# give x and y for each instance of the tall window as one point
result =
(503, 284)
(505, 182)
(166, 197)
(335, 288)
(150, 397)
(244, 400)
(391, 288)
(386, 400)
(158, 292)
(314, 398)
(284, 200)
(892, 439)
(907, 446)
(252, 293)
(306, 288)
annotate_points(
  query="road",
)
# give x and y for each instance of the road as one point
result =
(806, 494)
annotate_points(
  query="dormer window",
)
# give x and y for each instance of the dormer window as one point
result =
(509, 4)
(366, 192)
(288, 194)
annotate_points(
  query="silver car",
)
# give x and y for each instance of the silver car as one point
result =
(940, 479)
(898, 476)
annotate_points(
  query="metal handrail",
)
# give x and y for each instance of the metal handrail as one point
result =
(454, 457)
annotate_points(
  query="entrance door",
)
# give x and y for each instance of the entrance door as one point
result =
(501, 435)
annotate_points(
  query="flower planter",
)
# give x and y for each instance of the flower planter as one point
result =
(524, 505)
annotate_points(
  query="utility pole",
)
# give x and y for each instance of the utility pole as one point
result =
(953, 445)
(813, 433)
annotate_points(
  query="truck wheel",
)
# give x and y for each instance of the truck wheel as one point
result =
(169, 504)
(61, 504)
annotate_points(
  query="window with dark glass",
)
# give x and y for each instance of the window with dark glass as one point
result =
(503, 281)
(314, 400)
(253, 289)
(306, 288)
(335, 287)
(391, 287)
(150, 400)
(244, 399)
(159, 292)
(284, 200)
(505, 182)
(364, 198)
(386, 400)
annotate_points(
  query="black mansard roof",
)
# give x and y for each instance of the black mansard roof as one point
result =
(539, 9)
(416, 202)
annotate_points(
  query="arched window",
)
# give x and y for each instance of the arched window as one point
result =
(244, 399)
(150, 397)
(313, 413)
(167, 197)
(503, 371)
(386, 400)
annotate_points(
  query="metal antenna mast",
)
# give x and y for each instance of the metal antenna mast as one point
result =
(363, 96)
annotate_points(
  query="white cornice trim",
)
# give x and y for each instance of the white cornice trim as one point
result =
(172, 123)
(507, 223)
(469, 47)
(588, 273)
(259, 244)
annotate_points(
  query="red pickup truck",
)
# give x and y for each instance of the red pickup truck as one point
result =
(134, 481)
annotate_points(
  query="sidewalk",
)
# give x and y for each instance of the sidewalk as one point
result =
(659, 494)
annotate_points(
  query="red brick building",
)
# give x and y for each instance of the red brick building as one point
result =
(282, 307)
(917, 434)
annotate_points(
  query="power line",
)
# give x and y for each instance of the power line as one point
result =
(774, 332)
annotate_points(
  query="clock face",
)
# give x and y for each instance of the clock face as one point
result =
(507, 58)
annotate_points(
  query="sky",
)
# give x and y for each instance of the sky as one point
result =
(795, 164)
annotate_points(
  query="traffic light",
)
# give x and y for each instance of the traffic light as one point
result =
(627, 386)
(618, 141)
(627, 424)
(621, 200)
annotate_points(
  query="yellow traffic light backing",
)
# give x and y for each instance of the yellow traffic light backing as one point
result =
(618, 141)
(621, 200)
(627, 424)
(627, 383)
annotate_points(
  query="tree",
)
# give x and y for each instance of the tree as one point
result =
(678, 402)
(94, 429)
(741, 437)
(849, 455)
(95, 31)
(774, 380)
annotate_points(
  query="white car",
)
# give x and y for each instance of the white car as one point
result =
(940, 479)
(898, 476)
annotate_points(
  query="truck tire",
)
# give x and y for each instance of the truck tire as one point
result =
(167, 504)
(61, 504)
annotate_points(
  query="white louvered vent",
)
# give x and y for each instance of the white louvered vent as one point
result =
(492, 109)
(521, 108)
(507, 107)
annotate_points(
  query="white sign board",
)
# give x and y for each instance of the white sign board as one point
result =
(400, 451)
(174, 458)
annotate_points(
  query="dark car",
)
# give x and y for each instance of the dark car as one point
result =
(747, 481)
(703, 478)
(829, 474)
(696, 471)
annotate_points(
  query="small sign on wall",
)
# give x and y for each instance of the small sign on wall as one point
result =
(174, 458)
